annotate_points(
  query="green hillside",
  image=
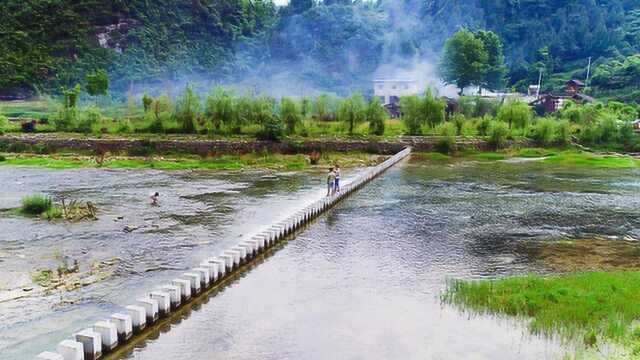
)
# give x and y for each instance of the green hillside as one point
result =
(332, 45)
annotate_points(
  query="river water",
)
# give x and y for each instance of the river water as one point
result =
(362, 282)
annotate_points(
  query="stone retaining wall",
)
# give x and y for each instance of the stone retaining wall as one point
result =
(15, 143)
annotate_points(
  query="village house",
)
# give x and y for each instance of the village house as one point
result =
(389, 91)
(636, 125)
(554, 102)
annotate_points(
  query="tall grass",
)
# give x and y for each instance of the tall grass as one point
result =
(588, 306)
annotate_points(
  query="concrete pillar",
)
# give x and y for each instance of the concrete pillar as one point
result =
(138, 317)
(231, 254)
(212, 269)
(260, 241)
(91, 343)
(48, 355)
(109, 333)
(150, 307)
(174, 294)
(248, 247)
(164, 301)
(228, 261)
(242, 251)
(124, 326)
(205, 276)
(70, 350)
(237, 256)
(185, 288)
(194, 280)
(221, 266)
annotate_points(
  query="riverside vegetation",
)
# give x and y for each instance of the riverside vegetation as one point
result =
(222, 113)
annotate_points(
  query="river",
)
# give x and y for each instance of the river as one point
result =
(361, 282)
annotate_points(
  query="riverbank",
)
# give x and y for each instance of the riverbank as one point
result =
(224, 162)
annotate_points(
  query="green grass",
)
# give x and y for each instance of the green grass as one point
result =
(224, 162)
(433, 156)
(585, 159)
(590, 306)
(488, 156)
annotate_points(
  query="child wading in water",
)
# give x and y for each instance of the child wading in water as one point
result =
(154, 198)
(336, 171)
(331, 180)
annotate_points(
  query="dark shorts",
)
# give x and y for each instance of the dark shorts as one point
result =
(336, 183)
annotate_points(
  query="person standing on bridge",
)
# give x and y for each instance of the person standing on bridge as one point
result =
(336, 170)
(331, 182)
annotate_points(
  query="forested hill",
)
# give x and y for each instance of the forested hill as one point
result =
(333, 45)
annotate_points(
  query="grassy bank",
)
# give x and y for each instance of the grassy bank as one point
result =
(564, 157)
(225, 162)
(592, 307)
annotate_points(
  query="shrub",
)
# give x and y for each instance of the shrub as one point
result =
(627, 136)
(4, 124)
(497, 132)
(515, 113)
(187, 110)
(36, 204)
(608, 128)
(2, 158)
(411, 114)
(220, 109)
(375, 115)
(66, 119)
(468, 129)
(351, 111)
(563, 132)
(483, 125)
(447, 131)
(90, 117)
(272, 129)
(589, 134)
(290, 114)
(545, 131)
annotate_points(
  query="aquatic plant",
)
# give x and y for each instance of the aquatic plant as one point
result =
(589, 306)
(36, 204)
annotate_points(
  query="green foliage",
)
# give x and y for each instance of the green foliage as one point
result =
(375, 115)
(497, 133)
(618, 73)
(4, 124)
(290, 114)
(516, 113)
(147, 100)
(351, 111)
(71, 96)
(545, 131)
(97, 82)
(563, 132)
(89, 118)
(412, 114)
(220, 109)
(433, 108)
(447, 132)
(495, 70)
(187, 110)
(36, 204)
(322, 108)
(464, 60)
